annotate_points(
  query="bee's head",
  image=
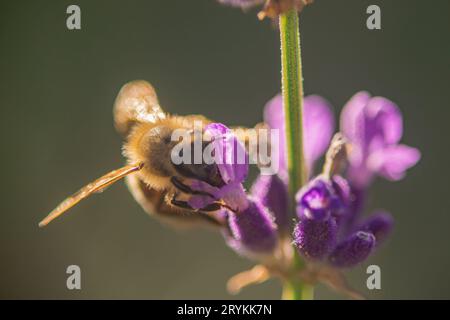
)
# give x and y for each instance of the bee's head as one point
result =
(151, 144)
(170, 151)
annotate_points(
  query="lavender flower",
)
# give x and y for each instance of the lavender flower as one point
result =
(318, 200)
(379, 224)
(271, 191)
(315, 238)
(242, 3)
(318, 127)
(322, 207)
(233, 171)
(345, 194)
(374, 127)
(353, 250)
(252, 231)
(272, 8)
(329, 228)
(251, 228)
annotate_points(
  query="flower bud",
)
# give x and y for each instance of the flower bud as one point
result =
(272, 193)
(252, 230)
(355, 249)
(315, 239)
(379, 224)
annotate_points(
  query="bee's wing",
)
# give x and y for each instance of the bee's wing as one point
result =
(96, 186)
(136, 102)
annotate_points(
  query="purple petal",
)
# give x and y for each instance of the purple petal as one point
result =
(253, 230)
(199, 201)
(360, 176)
(274, 117)
(385, 119)
(315, 239)
(233, 194)
(342, 189)
(317, 200)
(373, 127)
(380, 224)
(233, 160)
(352, 116)
(272, 193)
(355, 249)
(217, 129)
(242, 3)
(364, 119)
(318, 127)
(354, 208)
(233, 171)
(392, 162)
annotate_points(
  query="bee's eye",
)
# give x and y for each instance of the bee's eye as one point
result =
(208, 173)
(156, 138)
(167, 139)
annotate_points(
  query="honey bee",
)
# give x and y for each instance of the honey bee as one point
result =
(155, 182)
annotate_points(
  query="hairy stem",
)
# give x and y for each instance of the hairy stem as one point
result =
(292, 88)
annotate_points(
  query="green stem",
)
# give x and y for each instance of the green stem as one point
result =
(297, 291)
(292, 87)
(294, 288)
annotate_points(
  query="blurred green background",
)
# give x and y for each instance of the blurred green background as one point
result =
(57, 88)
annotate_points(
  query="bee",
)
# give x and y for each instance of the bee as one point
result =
(156, 183)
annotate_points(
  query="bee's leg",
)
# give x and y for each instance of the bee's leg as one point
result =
(181, 186)
(185, 205)
(186, 189)
(180, 204)
(203, 211)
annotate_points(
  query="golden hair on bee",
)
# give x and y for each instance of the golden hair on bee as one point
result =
(156, 183)
(152, 144)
